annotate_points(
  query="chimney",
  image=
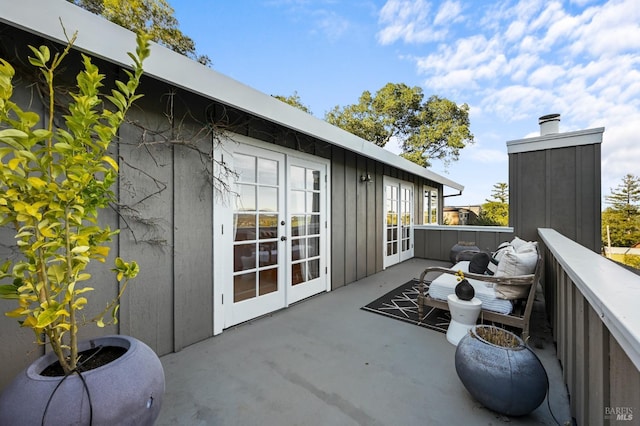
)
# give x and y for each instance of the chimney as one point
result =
(549, 124)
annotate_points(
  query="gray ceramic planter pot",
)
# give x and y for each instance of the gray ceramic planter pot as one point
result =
(127, 391)
(510, 381)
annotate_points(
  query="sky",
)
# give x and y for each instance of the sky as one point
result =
(511, 61)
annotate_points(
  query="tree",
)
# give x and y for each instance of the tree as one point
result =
(435, 129)
(495, 212)
(155, 17)
(500, 192)
(626, 197)
(622, 218)
(295, 101)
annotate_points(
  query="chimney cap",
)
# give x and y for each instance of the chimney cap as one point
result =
(549, 117)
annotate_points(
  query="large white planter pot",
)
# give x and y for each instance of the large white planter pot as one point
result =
(126, 391)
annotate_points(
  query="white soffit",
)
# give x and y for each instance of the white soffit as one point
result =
(556, 140)
(110, 42)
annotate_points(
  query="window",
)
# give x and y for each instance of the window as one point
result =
(430, 206)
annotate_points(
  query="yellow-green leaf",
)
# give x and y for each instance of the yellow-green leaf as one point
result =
(84, 289)
(36, 182)
(16, 313)
(111, 162)
(46, 318)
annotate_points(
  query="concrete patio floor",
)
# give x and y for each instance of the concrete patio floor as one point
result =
(325, 361)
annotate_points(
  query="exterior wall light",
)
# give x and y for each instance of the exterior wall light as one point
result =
(366, 178)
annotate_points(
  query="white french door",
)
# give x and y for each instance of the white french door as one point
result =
(259, 233)
(280, 233)
(307, 240)
(398, 221)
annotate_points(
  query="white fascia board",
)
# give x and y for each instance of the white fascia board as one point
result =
(110, 42)
(556, 140)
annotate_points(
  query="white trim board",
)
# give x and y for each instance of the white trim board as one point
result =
(556, 140)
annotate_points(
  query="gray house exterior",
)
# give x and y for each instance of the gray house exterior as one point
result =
(233, 203)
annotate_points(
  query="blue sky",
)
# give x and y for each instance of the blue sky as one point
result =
(511, 61)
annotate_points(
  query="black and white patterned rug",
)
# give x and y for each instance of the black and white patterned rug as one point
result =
(400, 303)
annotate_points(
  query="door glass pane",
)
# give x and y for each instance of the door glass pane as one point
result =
(313, 269)
(268, 254)
(297, 177)
(245, 227)
(244, 256)
(268, 199)
(313, 247)
(296, 202)
(298, 272)
(246, 199)
(313, 180)
(268, 226)
(314, 224)
(298, 249)
(313, 202)
(267, 172)
(244, 287)
(245, 166)
(298, 225)
(268, 281)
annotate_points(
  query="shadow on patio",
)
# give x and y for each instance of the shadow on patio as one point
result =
(325, 361)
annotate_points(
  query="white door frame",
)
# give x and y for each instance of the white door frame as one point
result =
(223, 230)
(399, 246)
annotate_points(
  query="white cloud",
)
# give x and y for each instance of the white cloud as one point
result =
(546, 75)
(515, 61)
(332, 25)
(516, 102)
(449, 12)
(610, 29)
(409, 21)
(487, 155)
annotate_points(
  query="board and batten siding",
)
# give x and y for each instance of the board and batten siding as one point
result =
(555, 182)
(167, 205)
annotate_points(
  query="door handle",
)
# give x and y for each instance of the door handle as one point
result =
(283, 238)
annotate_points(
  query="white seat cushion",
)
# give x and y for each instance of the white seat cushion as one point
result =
(445, 284)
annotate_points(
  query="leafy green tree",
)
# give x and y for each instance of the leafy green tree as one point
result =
(295, 101)
(154, 17)
(622, 218)
(495, 212)
(433, 129)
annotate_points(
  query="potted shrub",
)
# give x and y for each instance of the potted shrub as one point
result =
(501, 371)
(54, 180)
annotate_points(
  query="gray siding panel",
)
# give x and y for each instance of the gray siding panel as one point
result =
(337, 219)
(371, 230)
(557, 188)
(193, 257)
(362, 236)
(351, 217)
(146, 189)
(380, 214)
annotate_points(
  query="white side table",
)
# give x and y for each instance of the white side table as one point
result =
(464, 314)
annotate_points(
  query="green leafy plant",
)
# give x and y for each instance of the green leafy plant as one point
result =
(54, 180)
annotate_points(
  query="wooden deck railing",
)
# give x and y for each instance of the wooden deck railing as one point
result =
(593, 307)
